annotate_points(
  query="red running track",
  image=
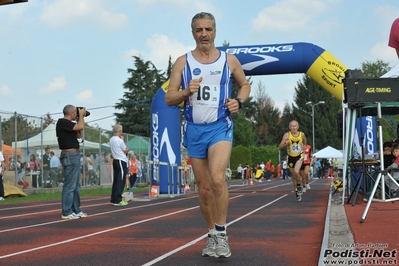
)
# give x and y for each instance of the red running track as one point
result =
(266, 226)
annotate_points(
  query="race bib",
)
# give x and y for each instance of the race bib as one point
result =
(296, 148)
(207, 96)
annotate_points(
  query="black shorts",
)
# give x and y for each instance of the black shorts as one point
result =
(304, 165)
(292, 160)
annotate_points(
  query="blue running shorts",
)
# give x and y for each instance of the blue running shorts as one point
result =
(198, 138)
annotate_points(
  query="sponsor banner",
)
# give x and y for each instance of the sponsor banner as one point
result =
(366, 132)
(165, 141)
(328, 72)
(288, 58)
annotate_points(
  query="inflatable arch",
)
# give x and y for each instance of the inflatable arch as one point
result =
(266, 59)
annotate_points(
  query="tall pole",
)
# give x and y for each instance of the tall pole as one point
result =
(313, 105)
(313, 147)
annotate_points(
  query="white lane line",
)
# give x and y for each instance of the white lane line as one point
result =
(102, 232)
(94, 234)
(205, 235)
(91, 215)
(281, 185)
(47, 204)
(55, 210)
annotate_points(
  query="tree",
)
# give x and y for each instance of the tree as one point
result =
(375, 69)
(23, 129)
(136, 102)
(243, 133)
(325, 115)
(266, 118)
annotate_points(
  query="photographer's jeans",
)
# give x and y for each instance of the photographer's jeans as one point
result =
(71, 188)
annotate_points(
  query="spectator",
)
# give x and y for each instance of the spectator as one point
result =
(119, 163)
(91, 174)
(268, 170)
(272, 171)
(259, 176)
(279, 170)
(285, 170)
(239, 171)
(262, 166)
(132, 171)
(319, 168)
(55, 167)
(46, 163)
(34, 167)
(2, 170)
(20, 167)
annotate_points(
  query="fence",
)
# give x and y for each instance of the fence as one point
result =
(28, 139)
(175, 180)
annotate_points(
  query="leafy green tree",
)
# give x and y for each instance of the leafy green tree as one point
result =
(136, 102)
(243, 133)
(240, 155)
(375, 69)
(24, 129)
(325, 115)
(266, 118)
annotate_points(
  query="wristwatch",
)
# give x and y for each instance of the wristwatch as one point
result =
(240, 102)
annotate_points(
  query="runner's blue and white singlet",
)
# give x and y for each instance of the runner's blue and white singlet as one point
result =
(209, 103)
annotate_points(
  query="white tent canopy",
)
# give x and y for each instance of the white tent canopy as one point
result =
(49, 139)
(328, 152)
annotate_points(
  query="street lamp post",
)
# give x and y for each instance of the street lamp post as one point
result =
(313, 105)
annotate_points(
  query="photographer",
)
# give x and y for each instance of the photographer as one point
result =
(68, 131)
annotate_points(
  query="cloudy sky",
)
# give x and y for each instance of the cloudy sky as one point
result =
(58, 52)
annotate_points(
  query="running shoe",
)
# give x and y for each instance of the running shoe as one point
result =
(82, 214)
(71, 216)
(307, 186)
(222, 246)
(304, 189)
(209, 249)
(121, 203)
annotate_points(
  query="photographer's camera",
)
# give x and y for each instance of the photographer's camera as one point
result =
(77, 112)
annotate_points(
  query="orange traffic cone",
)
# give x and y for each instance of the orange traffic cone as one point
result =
(251, 183)
(187, 188)
(154, 191)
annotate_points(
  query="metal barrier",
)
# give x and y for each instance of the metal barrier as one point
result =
(177, 177)
(106, 174)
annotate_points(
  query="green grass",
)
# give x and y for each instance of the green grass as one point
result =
(53, 195)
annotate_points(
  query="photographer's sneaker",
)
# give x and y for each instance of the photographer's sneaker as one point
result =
(82, 214)
(209, 249)
(222, 246)
(71, 216)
